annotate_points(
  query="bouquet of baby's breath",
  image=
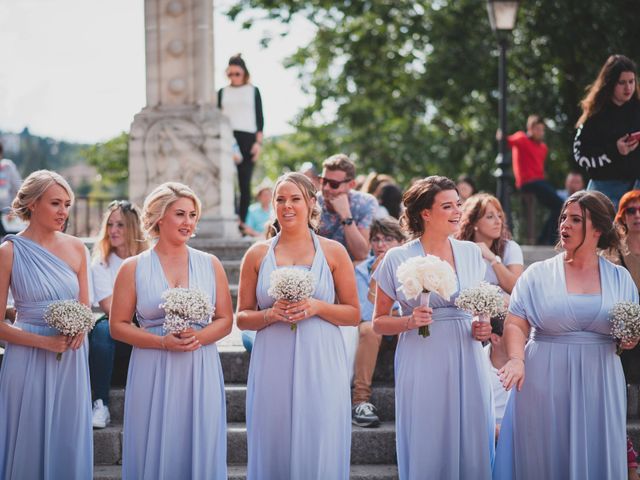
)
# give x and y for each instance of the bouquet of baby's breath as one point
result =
(484, 300)
(292, 285)
(184, 307)
(625, 322)
(69, 317)
(419, 276)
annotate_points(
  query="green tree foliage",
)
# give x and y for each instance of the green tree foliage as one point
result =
(111, 160)
(410, 87)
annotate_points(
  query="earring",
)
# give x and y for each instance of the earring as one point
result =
(475, 228)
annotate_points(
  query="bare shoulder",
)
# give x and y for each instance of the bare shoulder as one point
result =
(257, 252)
(74, 242)
(128, 267)
(6, 252)
(334, 251)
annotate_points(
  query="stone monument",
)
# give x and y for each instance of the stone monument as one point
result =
(181, 135)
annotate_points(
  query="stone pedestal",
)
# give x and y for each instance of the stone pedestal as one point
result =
(181, 135)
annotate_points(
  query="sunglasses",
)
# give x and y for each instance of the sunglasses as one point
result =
(631, 210)
(234, 74)
(334, 184)
(123, 205)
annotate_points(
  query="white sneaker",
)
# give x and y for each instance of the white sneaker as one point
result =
(101, 415)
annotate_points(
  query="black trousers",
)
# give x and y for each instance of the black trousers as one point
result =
(245, 141)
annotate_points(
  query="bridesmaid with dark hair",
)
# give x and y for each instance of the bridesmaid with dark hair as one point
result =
(444, 416)
(567, 419)
(45, 403)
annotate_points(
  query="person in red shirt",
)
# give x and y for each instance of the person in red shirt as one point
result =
(528, 153)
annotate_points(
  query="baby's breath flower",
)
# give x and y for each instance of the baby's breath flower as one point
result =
(183, 307)
(69, 317)
(625, 322)
(291, 285)
(484, 298)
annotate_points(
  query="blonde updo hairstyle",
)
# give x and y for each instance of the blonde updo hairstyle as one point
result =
(33, 188)
(157, 202)
(308, 193)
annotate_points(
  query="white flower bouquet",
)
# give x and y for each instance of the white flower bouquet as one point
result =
(184, 307)
(625, 322)
(419, 276)
(292, 285)
(69, 317)
(484, 300)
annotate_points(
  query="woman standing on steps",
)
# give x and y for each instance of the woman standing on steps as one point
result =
(174, 413)
(120, 237)
(567, 418)
(45, 403)
(298, 408)
(444, 416)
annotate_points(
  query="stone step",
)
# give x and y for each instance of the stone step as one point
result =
(536, 253)
(383, 397)
(232, 269)
(221, 248)
(239, 472)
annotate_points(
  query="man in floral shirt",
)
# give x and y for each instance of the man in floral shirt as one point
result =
(346, 213)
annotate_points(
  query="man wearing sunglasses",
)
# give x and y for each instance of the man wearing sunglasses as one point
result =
(346, 214)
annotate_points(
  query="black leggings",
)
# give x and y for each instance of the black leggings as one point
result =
(245, 141)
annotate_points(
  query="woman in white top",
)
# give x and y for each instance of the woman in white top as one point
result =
(120, 237)
(241, 102)
(483, 222)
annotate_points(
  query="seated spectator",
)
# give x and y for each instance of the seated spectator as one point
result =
(120, 237)
(572, 183)
(389, 197)
(632, 461)
(483, 222)
(497, 357)
(466, 187)
(385, 234)
(259, 212)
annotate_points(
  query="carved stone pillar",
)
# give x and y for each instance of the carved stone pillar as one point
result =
(181, 135)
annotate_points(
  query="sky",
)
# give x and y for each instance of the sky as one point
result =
(75, 69)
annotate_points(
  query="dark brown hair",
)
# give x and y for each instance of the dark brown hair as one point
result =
(419, 197)
(238, 61)
(601, 212)
(341, 162)
(599, 93)
(473, 210)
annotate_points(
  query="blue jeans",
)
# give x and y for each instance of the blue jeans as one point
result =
(101, 354)
(614, 189)
(547, 196)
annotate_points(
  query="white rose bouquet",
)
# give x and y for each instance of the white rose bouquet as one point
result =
(419, 276)
(183, 307)
(292, 285)
(69, 317)
(484, 300)
(625, 322)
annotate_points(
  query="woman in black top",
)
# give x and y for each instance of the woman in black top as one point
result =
(610, 113)
(241, 102)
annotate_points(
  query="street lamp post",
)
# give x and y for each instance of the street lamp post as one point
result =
(502, 16)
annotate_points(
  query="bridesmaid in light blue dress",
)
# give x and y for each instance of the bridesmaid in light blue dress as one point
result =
(567, 419)
(45, 403)
(444, 416)
(298, 398)
(174, 414)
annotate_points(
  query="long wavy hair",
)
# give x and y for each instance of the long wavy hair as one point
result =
(599, 93)
(135, 241)
(472, 211)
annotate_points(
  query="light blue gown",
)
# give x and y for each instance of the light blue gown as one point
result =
(298, 398)
(444, 415)
(45, 404)
(174, 412)
(569, 420)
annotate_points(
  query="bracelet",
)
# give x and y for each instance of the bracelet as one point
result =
(408, 320)
(164, 347)
(516, 358)
(264, 316)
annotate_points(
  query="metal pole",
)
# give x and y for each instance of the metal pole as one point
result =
(503, 160)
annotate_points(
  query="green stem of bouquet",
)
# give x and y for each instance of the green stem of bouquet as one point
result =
(618, 349)
(424, 330)
(59, 356)
(294, 327)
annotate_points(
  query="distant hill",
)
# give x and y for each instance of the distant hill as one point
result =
(31, 152)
